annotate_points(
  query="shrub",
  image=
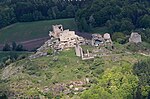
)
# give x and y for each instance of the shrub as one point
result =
(79, 76)
(7, 47)
(49, 75)
(49, 52)
(119, 37)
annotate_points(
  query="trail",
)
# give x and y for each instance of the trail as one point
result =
(30, 44)
(144, 54)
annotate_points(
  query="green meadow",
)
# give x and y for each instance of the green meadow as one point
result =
(33, 30)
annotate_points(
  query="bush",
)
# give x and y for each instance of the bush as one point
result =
(79, 76)
(119, 37)
(138, 47)
(49, 75)
(19, 47)
(142, 70)
(7, 47)
(49, 52)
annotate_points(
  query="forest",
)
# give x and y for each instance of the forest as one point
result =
(117, 15)
(12, 11)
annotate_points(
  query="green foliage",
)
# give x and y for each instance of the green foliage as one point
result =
(84, 26)
(14, 45)
(19, 47)
(126, 25)
(6, 47)
(49, 95)
(49, 75)
(3, 96)
(49, 52)
(115, 83)
(96, 92)
(97, 67)
(138, 47)
(110, 77)
(142, 70)
(12, 11)
(118, 16)
(119, 37)
(9, 57)
(146, 34)
(145, 21)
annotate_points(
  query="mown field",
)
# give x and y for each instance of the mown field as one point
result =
(32, 30)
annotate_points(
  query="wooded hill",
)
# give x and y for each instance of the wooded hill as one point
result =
(12, 11)
(117, 15)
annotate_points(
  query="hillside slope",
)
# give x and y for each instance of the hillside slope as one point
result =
(53, 76)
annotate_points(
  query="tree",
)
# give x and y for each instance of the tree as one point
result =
(19, 47)
(6, 47)
(85, 26)
(96, 92)
(70, 10)
(146, 34)
(119, 37)
(145, 21)
(113, 25)
(37, 15)
(14, 45)
(92, 20)
(142, 70)
(50, 14)
(118, 16)
(12, 11)
(55, 12)
(115, 83)
(126, 25)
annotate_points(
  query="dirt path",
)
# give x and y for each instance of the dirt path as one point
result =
(144, 54)
(31, 44)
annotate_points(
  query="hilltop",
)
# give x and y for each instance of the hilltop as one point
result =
(103, 51)
(71, 66)
(53, 76)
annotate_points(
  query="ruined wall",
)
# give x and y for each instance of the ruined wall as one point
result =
(135, 38)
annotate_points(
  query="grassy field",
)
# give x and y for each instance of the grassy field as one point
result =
(32, 30)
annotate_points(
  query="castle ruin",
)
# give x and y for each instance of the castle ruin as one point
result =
(99, 40)
(66, 38)
(61, 39)
(135, 38)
